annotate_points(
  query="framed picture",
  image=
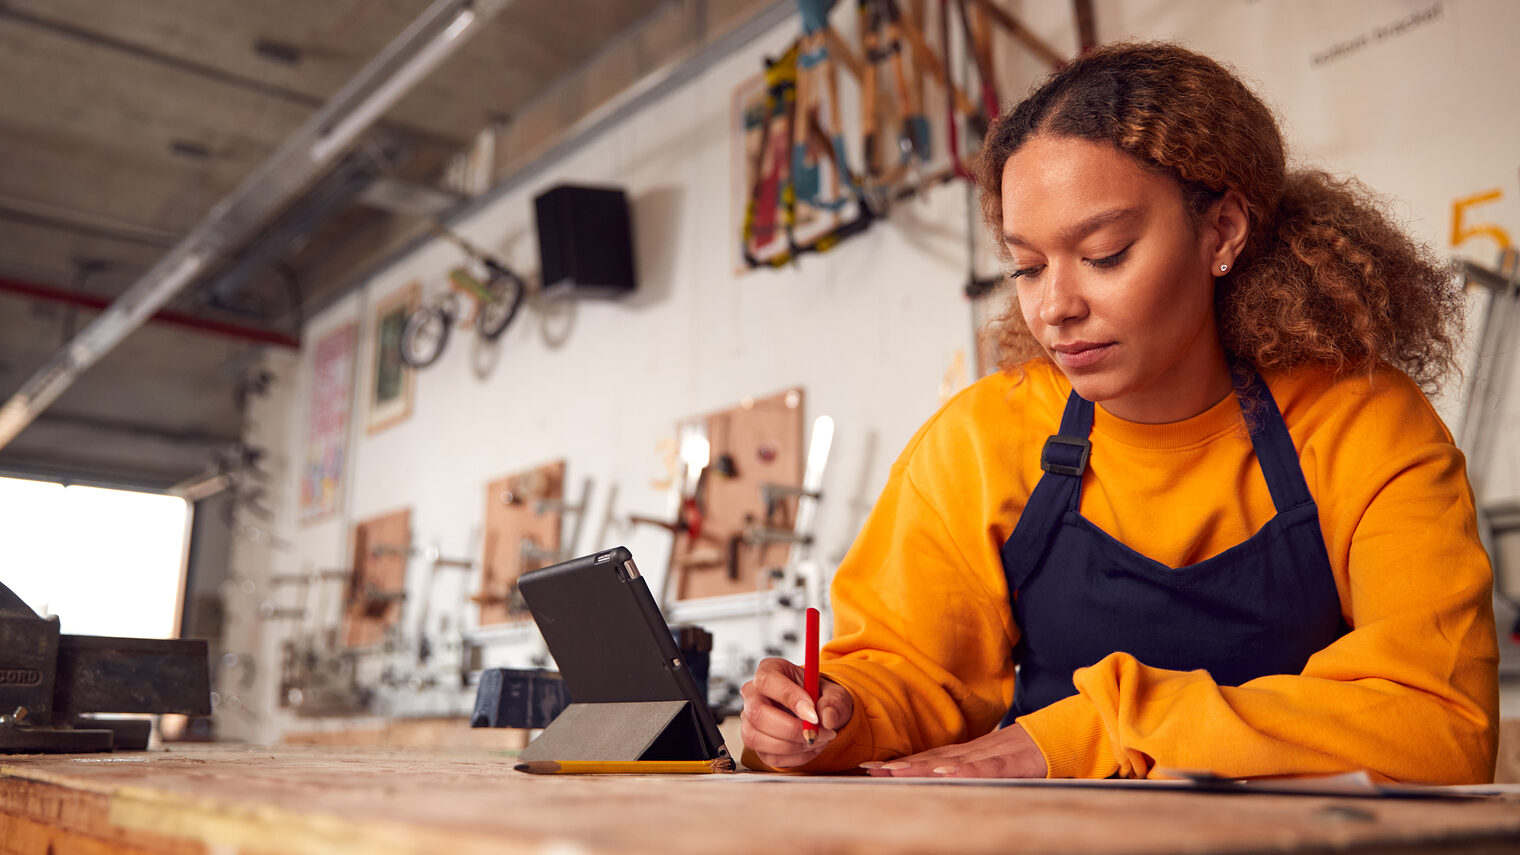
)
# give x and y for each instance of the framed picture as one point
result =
(390, 386)
(327, 422)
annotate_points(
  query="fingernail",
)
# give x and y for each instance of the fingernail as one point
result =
(894, 765)
(807, 714)
(871, 764)
(946, 770)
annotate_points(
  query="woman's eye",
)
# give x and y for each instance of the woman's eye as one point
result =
(1026, 271)
(1109, 260)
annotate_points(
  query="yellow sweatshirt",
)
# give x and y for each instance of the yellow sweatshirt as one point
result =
(924, 634)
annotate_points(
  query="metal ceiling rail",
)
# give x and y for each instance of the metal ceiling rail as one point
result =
(9, 285)
(426, 43)
(36, 213)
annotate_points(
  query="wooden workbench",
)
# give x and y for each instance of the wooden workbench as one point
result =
(220, 800)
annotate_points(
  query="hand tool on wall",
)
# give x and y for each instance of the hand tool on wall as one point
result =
(534, 555)
(322, 682)
(800, 532)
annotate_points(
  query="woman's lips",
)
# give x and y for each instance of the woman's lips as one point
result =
(1080, 354)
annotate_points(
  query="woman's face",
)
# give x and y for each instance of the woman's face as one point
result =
(1114, 279)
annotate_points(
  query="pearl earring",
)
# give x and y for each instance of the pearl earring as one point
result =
(1224, 268)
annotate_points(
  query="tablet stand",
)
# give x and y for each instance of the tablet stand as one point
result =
(632, 730)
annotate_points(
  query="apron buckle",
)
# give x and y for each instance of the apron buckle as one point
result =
(1065, 455)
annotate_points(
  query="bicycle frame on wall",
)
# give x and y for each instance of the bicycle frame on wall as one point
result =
(496, 291)
(806, 178)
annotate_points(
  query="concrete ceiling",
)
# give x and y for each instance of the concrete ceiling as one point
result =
(121, 124)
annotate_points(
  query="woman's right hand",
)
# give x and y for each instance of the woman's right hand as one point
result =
(776, 705)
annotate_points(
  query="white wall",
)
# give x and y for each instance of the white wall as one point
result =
(869, 329)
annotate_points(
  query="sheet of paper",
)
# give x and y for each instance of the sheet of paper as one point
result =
(1352, 784)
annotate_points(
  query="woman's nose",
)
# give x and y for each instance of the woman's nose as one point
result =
(1061, 297)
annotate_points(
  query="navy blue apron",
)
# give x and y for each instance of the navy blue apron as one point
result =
(1261, 607)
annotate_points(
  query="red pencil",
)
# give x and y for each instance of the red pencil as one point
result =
(810, 674)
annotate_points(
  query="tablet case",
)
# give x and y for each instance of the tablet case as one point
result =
(633, 698)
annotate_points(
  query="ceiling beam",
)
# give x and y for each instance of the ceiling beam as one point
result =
(102, 40)
(414, 54)
(200, 69)
(77, 226)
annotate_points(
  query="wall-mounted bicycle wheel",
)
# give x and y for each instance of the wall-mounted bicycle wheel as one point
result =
(424, 336)
(507, 291)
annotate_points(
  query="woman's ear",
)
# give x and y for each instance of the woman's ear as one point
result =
(1226, 225)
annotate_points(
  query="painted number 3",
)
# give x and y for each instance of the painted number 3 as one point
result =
(1461, 231)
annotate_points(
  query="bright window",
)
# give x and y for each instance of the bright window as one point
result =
(107, 562)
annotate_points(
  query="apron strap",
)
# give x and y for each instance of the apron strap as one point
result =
(1067, 452)
(1274, 445)
(1064, 459)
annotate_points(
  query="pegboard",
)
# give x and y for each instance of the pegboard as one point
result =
(755, 444)
(377, 582)
(521, 508)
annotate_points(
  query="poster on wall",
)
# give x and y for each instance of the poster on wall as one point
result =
(327, 422)
(390, 385)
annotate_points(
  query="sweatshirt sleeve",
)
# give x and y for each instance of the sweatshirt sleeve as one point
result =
(920, 642)
(1410, 693)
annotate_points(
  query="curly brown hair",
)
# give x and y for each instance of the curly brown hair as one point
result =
(1325, 277)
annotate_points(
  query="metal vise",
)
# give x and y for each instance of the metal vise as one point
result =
(49, 682)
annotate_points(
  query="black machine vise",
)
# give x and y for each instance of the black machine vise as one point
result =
(50, 683)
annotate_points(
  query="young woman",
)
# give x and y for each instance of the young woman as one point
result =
(1205, 518)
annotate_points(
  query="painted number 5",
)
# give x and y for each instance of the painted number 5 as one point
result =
(1461, 232)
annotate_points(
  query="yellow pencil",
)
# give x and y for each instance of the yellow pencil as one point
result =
(626, 767)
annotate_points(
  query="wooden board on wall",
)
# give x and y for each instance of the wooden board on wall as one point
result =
(762, 438)
(513, 516)
(377, 583)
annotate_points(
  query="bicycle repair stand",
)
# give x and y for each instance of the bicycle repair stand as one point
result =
(50, 682)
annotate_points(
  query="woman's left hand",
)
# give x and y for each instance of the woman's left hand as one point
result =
(1005, 753)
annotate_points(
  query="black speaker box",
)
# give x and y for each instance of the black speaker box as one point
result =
(585, 241)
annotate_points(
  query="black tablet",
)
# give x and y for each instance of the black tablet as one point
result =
(613, 646)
